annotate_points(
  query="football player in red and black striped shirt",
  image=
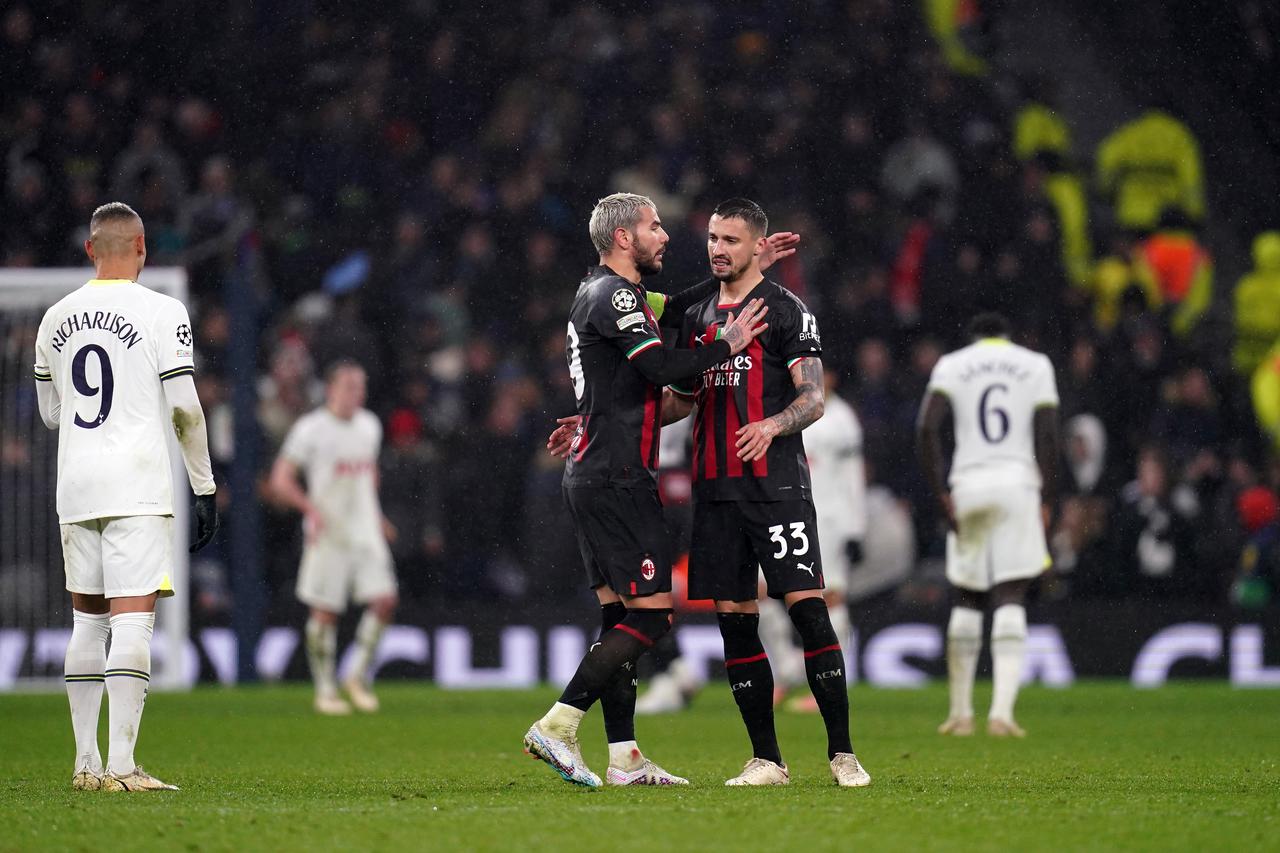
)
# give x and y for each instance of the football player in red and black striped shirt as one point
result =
(619, 365)
(752, 501)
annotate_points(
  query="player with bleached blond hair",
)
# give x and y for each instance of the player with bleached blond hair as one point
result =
(114, 374)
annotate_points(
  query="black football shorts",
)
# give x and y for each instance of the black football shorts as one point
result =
(623, 538)
(734, 540)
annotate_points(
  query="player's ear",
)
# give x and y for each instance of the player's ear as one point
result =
(622, 238)
(761, 243)
(88, 249)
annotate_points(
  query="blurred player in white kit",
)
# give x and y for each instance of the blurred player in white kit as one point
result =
(114, 375)
(833, 445)
(345, 556)
(1003, 402)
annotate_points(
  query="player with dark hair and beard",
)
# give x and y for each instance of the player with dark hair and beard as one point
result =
(618, 366)
(752, 496)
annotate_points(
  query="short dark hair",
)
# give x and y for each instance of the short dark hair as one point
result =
(746, 210)
(335, 367)
(112, 211)
(989, 325)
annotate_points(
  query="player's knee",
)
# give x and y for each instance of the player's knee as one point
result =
(813, 623)
(649, 624)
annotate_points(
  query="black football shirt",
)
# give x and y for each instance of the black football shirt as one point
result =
(753, 385)
(617, 441)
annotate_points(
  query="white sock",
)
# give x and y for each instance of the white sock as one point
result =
(128, 674)
(625, 755)
(562, 720)
(1008, 649)
(84, 667)
(368, 633)
(322, 648)
(777, 635)
(964, 641)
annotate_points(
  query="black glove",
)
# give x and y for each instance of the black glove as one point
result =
(206, 521)
(853, 550)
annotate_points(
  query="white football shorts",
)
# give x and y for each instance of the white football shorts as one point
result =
(1000, 538)
(119, 557)
(332, 574)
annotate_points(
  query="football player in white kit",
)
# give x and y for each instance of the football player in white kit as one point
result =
(834, 447)
(346, 555)
(1003, 401)
(114, 374)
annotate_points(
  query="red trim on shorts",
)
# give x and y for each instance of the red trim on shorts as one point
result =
(816, 652)
(752, 659)
(632, 631)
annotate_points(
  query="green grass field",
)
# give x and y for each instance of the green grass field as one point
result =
(1191, 767)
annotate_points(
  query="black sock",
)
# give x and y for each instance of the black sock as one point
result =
(620, 645)
(751, 680)
(664, 652)
(618, 701)
(824, 664)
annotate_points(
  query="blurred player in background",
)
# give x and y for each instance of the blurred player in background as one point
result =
(114, 374)
(1002, 401)
(346, 555)
(753, 507)
(618, 366)
(833, 446)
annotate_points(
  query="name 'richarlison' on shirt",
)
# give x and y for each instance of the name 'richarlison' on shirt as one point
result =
(107, 321)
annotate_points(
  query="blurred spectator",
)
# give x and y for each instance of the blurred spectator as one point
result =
(1150, 164)
(1257, 305)
(1258, 572)
(1153, 552)
(1179, 268)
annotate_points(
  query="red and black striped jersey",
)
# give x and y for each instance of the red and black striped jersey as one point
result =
(617, 442)
(753, 385)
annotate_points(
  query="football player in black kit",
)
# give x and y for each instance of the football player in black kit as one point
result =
(752, 500)
(618, 366)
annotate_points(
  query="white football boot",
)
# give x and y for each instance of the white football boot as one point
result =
(997, 727)
(332, 706)
(138, 780)
(847, 772)
(647, 773)
(361, 696)
(563, 754)
(958, 726)
(663, 696)
(85, 779)
(761, 771)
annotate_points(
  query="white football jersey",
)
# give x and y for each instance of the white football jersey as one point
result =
(833, 445)
(340, 461)
(107, 348)
(995, 387)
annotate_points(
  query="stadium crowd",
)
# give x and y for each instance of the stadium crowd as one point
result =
(409, 188)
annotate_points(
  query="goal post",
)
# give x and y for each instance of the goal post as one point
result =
(35, 608)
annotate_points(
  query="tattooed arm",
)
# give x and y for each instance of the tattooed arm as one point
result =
(754, 438)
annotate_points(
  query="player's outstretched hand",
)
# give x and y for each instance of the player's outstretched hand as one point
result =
(779, 245)
(561, 441)
(754, 439)
(206, 521)
(740, 331)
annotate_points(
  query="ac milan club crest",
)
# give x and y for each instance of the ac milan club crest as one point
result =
(648, 569)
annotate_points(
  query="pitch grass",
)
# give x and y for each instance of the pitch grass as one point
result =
(1191, 767)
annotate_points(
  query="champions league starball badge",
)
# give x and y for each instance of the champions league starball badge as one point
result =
(624, 300)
